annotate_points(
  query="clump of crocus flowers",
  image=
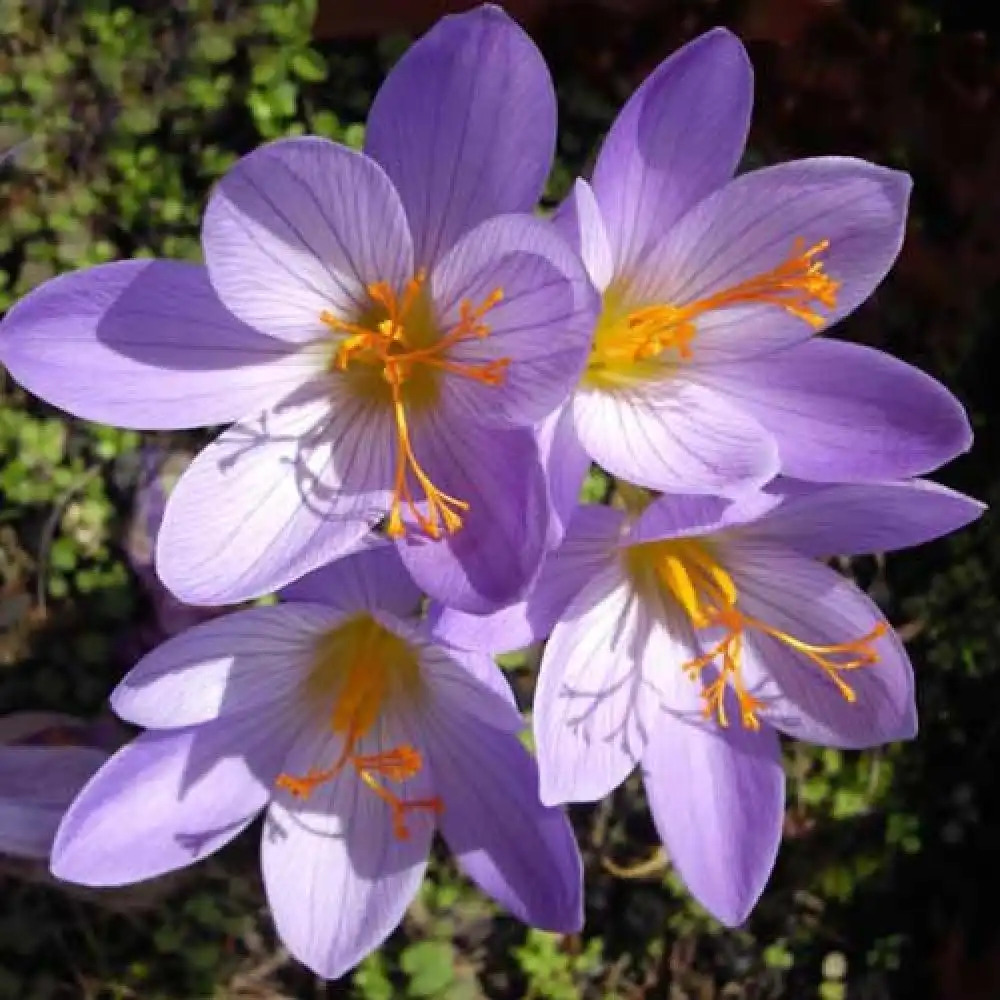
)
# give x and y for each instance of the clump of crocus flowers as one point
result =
(416, 372)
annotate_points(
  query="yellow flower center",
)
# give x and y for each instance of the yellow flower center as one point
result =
(398, 340)
(688, 571)
(630, 344)
(359, 666)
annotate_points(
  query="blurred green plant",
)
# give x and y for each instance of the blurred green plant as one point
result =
(554, 972)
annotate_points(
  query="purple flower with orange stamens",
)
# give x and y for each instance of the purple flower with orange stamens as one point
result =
(705, 375)
(378, 325)
(684, 638)
(359, 734)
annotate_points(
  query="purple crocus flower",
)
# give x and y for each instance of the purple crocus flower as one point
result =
(705, 376)
(684, 639)
(377, 324)
(45, 759)
(358, 734)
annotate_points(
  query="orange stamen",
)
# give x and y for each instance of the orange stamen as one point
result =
(798, 285)
(398, 765)
(400, 807)
(302, 786)
(369, 664)
(389, 345)
(714, 694)
(688, 571)
(833, 658)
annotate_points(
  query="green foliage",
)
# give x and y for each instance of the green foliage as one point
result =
(371, 980)
(429, 968)
(552, 970)
(596, 486)
(162, 104)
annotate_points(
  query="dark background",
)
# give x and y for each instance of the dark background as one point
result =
(885, 887)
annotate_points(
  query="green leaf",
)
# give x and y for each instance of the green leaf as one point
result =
(309, 65)
(595, 486)
(62, 555)
(831, 990)
(777, 956)
(354, 136)
(372, 979)
(139, 120)
(215, 47)
(430, 967)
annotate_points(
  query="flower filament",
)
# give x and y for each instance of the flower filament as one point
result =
(362, 664)
(399, 338)
(798, 285)
(688, 571)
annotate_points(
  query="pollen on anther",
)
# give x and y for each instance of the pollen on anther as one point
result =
(688, 572)
(667, 332)
(401, 343)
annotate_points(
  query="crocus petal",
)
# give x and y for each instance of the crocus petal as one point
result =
(372, 579)
(471, 679)
(491, 560)
(814, 604)
(275, 497)
(468, 681)
(590, 719)
(588, 548)
(145, 344)
(856, 518)
(717, 797)
(338, 880)
(37, 784)
(299, 227)
(679, 137)
(675, 436)
(579, 222)
(168, 799)
(566, 464)
(246, 661)
(518, 851)
(612, 668)
(465, 125)
(754, 224)
(541, 328)
(847, 413)
(679, 516)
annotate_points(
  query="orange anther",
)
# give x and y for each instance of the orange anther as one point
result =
(400, 807)
(799, 285)
(387, 344)
(361, 664)
(688, 571)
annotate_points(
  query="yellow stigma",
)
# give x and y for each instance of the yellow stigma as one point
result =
(688, 572)
(361, 665)
(399, 339)
(631, 344)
